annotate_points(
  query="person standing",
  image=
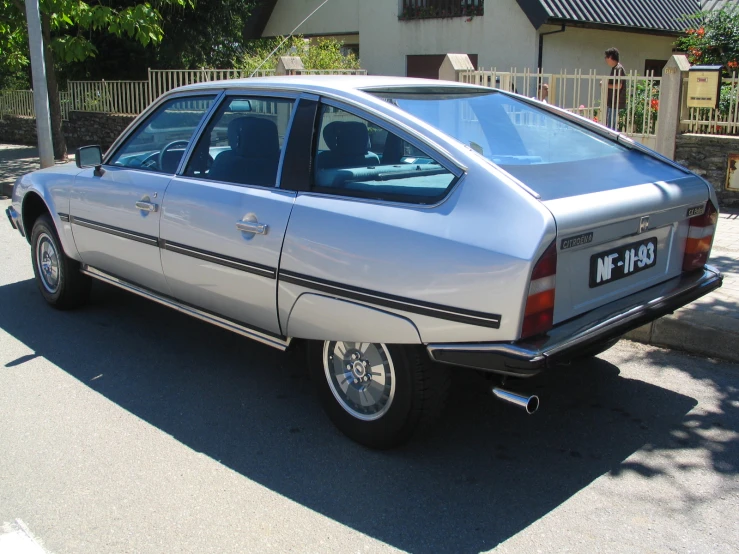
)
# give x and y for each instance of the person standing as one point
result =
(616, 88)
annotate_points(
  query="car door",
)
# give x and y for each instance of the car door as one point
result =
(115, 209)
(224, 217)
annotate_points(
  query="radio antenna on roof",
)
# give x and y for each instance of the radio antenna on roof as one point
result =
(287, 38)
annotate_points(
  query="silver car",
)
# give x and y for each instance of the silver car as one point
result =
(397, 227)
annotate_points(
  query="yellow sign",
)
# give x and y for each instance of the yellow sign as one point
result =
(703, 87)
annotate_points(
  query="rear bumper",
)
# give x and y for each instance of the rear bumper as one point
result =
(15, 220)
(565, 341)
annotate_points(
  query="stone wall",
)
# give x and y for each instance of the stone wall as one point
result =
(83, 128)
(18, 130)
(708, 156)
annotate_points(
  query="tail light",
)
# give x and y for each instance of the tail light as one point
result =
(700, 238)
(539, 314)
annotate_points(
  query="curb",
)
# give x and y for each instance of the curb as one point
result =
(694, 332)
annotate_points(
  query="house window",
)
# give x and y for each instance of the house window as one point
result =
(427, 9)
(427, 66)
(655, 66)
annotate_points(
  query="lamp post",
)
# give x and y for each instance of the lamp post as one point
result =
(40, 92)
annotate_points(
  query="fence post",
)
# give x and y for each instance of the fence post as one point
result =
(289, 65)
(453, 66)
(670, 104)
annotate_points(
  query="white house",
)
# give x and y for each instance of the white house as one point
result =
(410, 37)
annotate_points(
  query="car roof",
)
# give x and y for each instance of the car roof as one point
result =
(322, 83)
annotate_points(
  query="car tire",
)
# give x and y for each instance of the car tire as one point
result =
(58, 277)
(376, 394)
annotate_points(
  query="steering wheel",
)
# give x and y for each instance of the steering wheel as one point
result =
(160, 158)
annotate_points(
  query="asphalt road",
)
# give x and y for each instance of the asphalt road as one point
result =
(126, 427)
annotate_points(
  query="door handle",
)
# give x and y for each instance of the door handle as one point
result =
(252, 227)
(147, 206)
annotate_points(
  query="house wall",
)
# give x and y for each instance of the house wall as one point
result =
(336, 17)
(502, 37)
(583, 49)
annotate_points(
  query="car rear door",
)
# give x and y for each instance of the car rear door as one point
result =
(224, 217)
(115, 210)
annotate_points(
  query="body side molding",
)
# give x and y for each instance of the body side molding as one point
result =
(265, 337)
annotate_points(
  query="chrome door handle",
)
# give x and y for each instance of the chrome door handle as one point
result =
(252, 227)
(147, 206)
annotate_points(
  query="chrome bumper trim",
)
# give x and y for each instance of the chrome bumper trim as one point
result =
(566, 340)
(281, 343)
(14, 218)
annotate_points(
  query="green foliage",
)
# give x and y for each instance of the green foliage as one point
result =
(714, 40)
(642, 107)
(315, 54)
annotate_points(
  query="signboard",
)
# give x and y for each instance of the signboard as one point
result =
(732, 175)
(704, 86)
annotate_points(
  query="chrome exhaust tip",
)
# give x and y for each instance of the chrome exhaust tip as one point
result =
(528, 403)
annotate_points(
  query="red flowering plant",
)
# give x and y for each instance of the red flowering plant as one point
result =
(713, 39)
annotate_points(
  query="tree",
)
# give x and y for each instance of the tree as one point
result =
(316, 54)
(713, 40)
(66, 26)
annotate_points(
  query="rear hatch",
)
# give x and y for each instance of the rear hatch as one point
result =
(622, 224)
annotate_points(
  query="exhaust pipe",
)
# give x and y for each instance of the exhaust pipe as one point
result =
(528, 403)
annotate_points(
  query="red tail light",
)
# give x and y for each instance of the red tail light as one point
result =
(539, 314)
(700, 238)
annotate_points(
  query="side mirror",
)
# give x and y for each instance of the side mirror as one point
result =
(88, 156)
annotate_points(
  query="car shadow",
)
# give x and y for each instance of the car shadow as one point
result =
(486, 472)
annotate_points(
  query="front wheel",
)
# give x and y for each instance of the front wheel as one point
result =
(378, 395)
(58, 277)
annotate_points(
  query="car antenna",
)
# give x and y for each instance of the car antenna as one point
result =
(287, 38)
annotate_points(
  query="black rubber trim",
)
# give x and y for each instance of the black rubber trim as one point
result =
(63, 217)
(10, 218)
(577, 336)
(117, 231)
(193, 306)
(469, 317)
(234, 263)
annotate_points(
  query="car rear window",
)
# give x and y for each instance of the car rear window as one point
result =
(504, 129)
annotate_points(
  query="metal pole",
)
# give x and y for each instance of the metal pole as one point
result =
(40, 92)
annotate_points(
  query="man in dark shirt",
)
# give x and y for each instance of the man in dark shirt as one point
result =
(616, 88)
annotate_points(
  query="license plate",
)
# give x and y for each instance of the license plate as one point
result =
(623, 261)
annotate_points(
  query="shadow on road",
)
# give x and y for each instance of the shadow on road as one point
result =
(485, 474)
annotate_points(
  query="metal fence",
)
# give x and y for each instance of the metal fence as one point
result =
(723, 120)
(132, 97)
(584, 94)
(124, 97)
(17, 102)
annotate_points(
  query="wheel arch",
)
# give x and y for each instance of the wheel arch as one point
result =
(32, 208)
(319, 317)
(35, 204)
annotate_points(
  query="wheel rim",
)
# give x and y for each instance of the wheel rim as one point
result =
(361, 377)
(47, 260)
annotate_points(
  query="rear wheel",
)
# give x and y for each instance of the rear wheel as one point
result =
(58, 277)
(378, 395)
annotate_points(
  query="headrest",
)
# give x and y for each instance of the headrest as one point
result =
(350, 138)
(254, 137)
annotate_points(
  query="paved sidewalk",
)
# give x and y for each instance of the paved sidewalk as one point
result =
(708, 326)
(15, 160)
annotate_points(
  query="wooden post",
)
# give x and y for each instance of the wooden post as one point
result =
(670, 104)
(453, 66)
(289, 65)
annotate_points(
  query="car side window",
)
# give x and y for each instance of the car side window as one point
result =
(159, 142)
(356, 157)
(243, 142)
